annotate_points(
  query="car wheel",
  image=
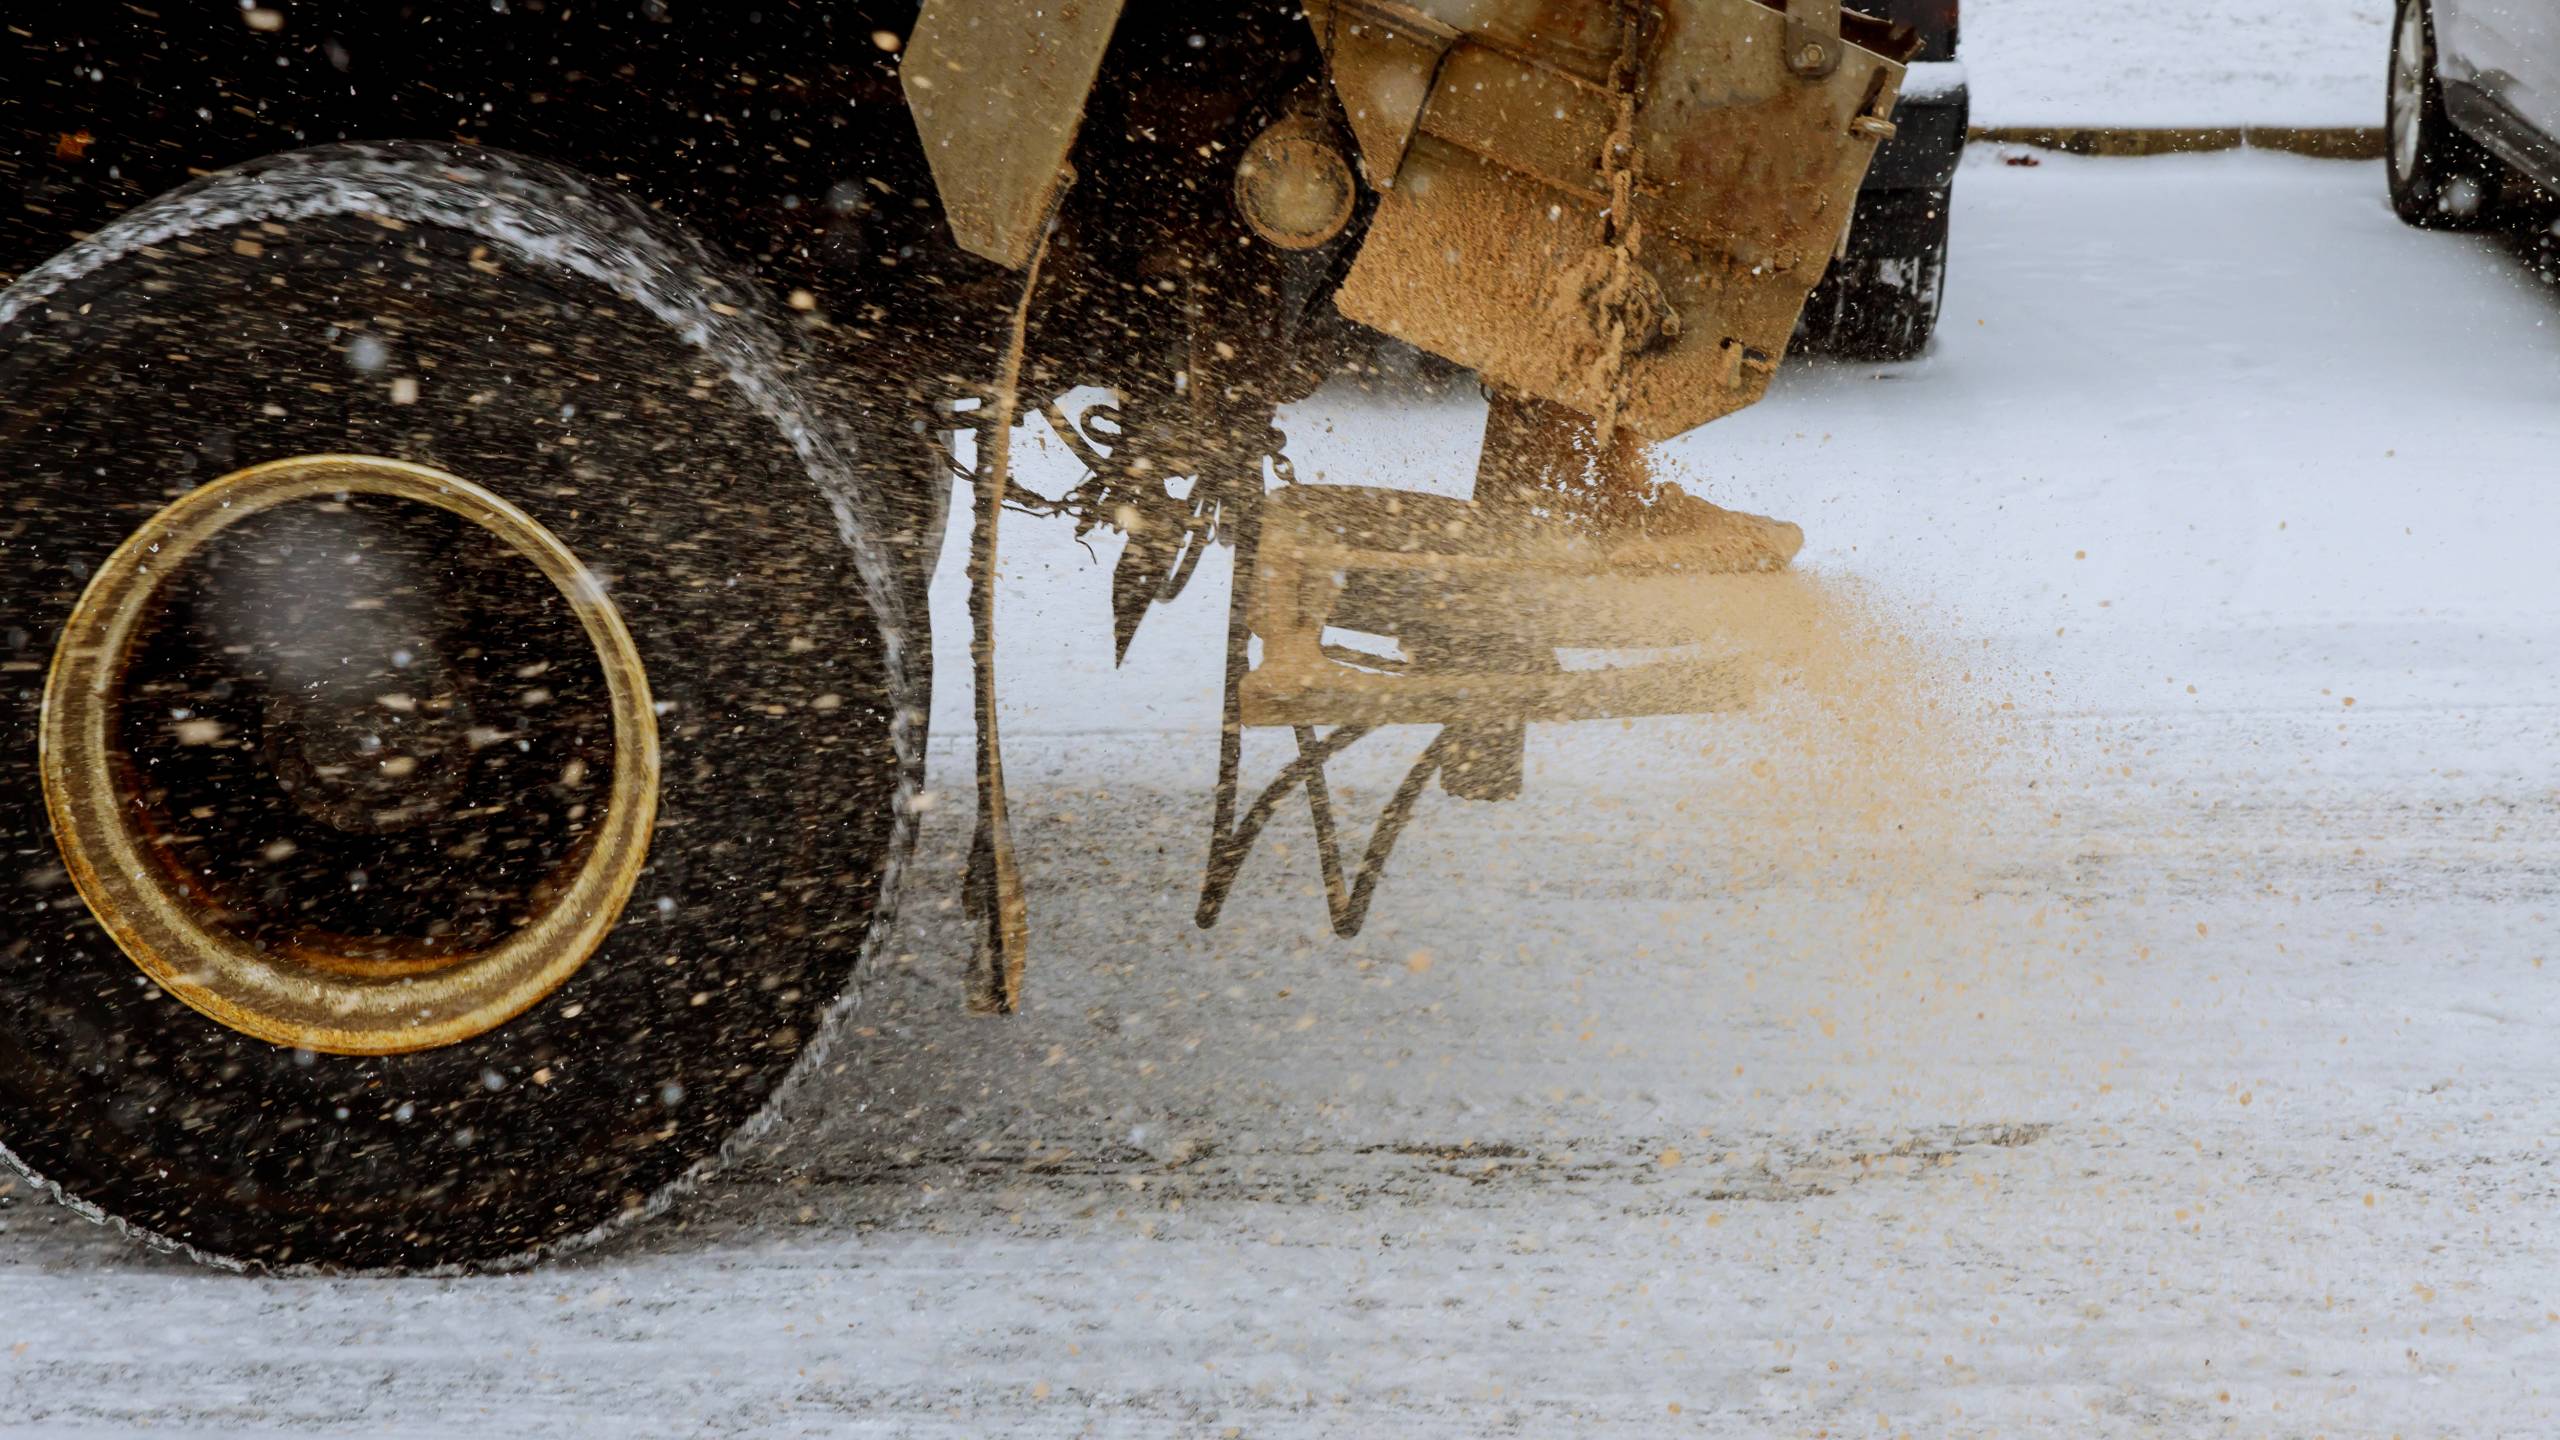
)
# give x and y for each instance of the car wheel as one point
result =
(455, 744)
(2441, 179)
(1880, 301)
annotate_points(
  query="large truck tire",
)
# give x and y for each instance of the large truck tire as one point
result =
(1880, 301)
(458, 731)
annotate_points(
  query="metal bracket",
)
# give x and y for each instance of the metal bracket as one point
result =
(1345, 903)
(1813, 38)
(1395, 562)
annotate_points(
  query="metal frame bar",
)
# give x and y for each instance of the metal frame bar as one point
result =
(1347, 905)
(1813, 38)
(991, 889)
(1231, 842)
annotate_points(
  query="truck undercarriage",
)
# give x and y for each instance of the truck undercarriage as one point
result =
(466, 547)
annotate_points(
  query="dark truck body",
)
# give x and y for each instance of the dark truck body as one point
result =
(1880, 300)
(744, 124)
(1935, 107)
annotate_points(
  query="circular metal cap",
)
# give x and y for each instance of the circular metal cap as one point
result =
(1294, 185)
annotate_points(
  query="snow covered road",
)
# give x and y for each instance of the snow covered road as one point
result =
(2115, 1002)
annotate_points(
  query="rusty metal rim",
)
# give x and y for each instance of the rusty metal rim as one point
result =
(327, 1007)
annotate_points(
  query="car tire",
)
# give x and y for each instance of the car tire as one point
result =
(392, 314)
(1880, 301)
(2441, 178)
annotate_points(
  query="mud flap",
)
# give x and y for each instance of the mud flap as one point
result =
(998, 96)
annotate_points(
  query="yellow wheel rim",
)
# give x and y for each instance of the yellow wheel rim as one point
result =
(271, 937)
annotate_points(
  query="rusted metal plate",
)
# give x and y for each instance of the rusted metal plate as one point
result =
(998, 88)
(1487, 249)
(1760, 169)
(1580, 36)
(1548, 124)
(1385, 58)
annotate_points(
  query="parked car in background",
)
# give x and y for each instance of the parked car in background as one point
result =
(2474, 108)
(1880, 300)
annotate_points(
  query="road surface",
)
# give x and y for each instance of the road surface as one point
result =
(2106, 994)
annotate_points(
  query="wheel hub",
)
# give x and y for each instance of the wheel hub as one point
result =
(350, 754)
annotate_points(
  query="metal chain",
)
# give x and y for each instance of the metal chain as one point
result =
(1624, 232)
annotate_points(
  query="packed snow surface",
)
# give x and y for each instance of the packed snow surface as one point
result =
(2152, 1041)
(2177, 62)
